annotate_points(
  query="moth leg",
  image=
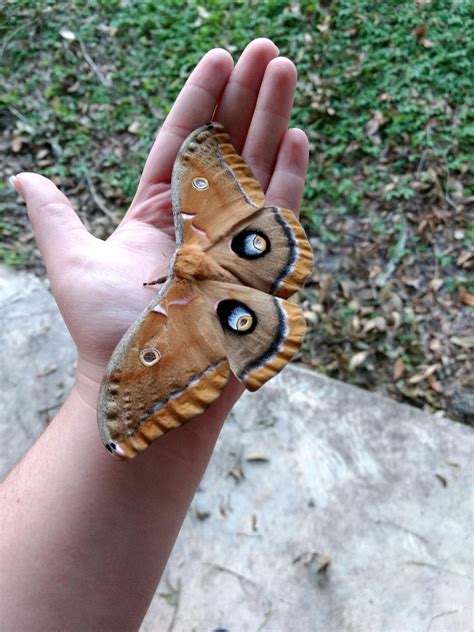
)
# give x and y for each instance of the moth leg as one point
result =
(156, 281)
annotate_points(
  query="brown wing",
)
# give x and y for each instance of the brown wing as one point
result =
(212, 187)
(218, 205)
(269, 252)
(168, 367)
(260, 332)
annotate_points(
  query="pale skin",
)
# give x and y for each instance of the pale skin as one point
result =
(85, 538)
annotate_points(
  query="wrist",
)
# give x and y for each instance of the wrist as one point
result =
(89, 378)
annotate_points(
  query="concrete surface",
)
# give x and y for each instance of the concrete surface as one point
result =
(325, 508)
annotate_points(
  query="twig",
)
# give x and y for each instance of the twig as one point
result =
(177, 592)
(402, 528)
(438, 568)
(21, 117)
(242, 579)
(98, 201)
(447, 197)
(95, 69)
(441, 614)
(397, 255)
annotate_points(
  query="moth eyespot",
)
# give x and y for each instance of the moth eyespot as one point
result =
(260, 243)
(236, 317)
(250, 244)
(149, 357)
(201, 184)
(244, 323)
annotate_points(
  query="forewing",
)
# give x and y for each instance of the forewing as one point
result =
(212, 187)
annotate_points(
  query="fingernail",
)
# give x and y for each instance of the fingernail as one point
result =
(13, 182)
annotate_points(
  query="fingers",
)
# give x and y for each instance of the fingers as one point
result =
(194, 106)
(58, 230)
(287, 182)
(270, 119)
(237, 105)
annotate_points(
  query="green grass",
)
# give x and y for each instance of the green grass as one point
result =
(353, 58)
(385, 94)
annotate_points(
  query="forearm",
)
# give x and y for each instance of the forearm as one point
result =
(85, 538)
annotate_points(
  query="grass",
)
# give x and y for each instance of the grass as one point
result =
(385, 94)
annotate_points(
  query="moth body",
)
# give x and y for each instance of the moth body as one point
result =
(192, 263)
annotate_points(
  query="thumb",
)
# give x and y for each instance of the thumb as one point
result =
(58, 229)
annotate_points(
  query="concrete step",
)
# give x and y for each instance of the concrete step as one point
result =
(324, 508)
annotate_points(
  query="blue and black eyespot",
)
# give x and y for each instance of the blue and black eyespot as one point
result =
(251, 244)
(236, 317)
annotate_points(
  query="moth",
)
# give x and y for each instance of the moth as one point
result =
(223, 307)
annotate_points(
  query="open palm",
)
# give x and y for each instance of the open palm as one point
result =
(98, 285)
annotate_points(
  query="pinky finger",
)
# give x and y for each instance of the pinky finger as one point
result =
(287, 182)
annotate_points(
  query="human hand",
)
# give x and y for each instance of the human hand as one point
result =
(98, 285)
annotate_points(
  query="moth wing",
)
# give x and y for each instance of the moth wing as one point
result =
(213, 189)
(271, 333)
(168, 368)
(269, 252)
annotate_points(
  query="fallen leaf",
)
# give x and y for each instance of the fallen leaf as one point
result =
(203, 12)
(324, 562)
(434, 384)
(375, 123)
(464, 257)
(466, 342)
(435, 284)
(358, 359)
(47, 370)
(16, 144)
(134, 127)
(398, 369)
(426, 43)
(419, 377)
(67, 34)
(420, 30)
(256, 457)
(237, 474)
(465, 296)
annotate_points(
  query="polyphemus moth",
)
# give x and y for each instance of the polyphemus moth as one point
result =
(222, 308)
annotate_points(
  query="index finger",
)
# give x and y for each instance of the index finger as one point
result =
(194, 106)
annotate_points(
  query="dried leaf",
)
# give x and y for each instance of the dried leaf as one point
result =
(464, 257)
(465, 296)
(436, 345)
(256, 457)
(434, 384)
(435, 284)
(466, 342)
(426, 43)
(16, 144)
(420, 30)
(203, 12)
(398, 369)
(375, 123)
(324, 562)
(134, 127)
(237, 474)
(202, 515)
(47, 370)
(416, 379)
(358, 359)
(67, 34)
